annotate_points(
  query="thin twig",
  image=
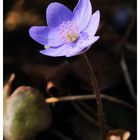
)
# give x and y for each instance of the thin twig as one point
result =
(87, 97)
(131, 48)
(60, 135)
(127, 78)
(86, 107)
(127, 33)
(85, 115)
(121, 46)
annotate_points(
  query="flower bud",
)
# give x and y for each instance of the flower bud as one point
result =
(25, 114)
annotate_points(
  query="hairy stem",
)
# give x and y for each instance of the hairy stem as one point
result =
(98, 97)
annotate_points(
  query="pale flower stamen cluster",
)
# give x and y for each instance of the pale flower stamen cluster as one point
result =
(68, 31)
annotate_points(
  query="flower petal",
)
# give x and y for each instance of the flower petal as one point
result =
(93, 24)
(84, 50)
(81, 46)
(57, 13)
(46, 35)
(55, 52)
(82, 13)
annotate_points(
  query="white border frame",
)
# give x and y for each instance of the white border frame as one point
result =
(138, 69)
(1, 70)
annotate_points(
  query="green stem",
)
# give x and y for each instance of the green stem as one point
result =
(98, 97)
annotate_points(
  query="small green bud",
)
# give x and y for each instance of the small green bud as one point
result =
(25, 114)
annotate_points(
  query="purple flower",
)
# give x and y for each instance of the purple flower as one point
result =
(68, 33)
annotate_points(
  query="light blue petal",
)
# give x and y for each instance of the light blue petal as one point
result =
(84, 50)
(56, 52)
(46, 35)
(81, 46)
(93, 24)
(82, 14)
(57, 13)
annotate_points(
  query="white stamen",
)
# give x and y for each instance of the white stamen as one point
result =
(68, 31)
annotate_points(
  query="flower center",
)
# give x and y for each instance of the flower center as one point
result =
(68, 31)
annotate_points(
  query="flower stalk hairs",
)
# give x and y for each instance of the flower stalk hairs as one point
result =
(68, 33)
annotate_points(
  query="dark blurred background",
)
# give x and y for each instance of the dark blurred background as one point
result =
(113, 58)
